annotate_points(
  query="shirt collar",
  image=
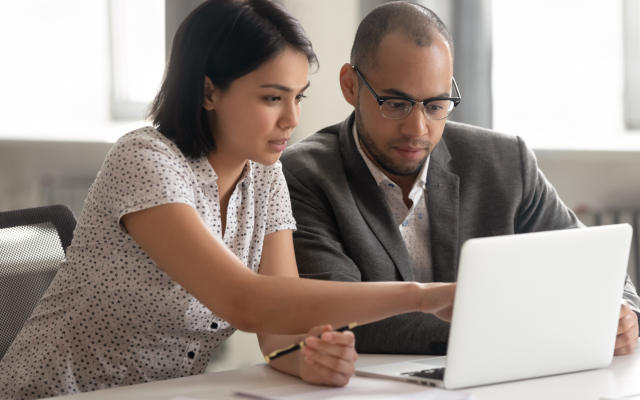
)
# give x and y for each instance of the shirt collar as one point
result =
(205, 175)
(380, 177)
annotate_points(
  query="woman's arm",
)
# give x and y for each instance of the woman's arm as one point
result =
(328, 360)
(175, 237)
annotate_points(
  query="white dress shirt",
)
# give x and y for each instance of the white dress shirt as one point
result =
(413, 223)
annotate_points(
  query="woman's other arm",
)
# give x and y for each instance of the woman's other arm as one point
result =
(328, 360)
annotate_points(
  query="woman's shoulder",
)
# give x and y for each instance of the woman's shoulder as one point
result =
(144, 154)
(147, 138)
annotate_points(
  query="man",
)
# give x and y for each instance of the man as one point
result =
(393, 192)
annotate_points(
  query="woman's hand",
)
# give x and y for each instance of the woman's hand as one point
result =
(328, 360)
(437, 299)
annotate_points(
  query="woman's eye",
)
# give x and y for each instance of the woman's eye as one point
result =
(272, 99)
(300, 97)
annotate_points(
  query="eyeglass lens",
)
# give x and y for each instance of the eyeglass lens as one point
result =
(436, 109)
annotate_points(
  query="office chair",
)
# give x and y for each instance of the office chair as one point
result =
(33, 241)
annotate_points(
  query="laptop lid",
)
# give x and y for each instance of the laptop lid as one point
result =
(536, 304)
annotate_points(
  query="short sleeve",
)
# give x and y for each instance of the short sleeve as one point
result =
(279, 215)
(142, 172)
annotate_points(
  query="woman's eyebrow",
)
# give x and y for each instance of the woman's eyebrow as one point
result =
(284, 88)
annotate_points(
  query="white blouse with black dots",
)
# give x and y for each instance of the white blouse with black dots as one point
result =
(111, 317)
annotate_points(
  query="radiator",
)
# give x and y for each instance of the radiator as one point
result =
(619, 216)
(68, 190)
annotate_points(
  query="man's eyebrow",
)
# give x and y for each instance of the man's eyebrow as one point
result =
(400, 93)
(283, 88)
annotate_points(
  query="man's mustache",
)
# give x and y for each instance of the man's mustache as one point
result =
(425, 144)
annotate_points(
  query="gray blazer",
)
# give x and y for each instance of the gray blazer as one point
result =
(479, 183)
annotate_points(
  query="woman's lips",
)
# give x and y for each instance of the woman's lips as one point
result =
(409, 153)
(278, 145)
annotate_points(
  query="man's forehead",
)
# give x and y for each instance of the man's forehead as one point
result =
(402, 65)
(398, 44)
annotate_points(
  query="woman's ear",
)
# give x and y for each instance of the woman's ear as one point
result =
(210, 92)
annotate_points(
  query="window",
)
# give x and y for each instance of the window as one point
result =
(631, 13)
(137, 36)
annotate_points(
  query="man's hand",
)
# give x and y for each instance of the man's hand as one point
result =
(328, 360)
(627, 338)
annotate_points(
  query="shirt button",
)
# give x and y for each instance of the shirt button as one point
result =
(214, 325)
(191, 354)
(405, 223)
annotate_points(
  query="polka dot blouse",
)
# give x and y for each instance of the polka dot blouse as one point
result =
(111, 317)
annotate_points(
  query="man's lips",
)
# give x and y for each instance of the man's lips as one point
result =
(410, 153)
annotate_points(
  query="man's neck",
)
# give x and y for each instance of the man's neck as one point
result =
(405, 182)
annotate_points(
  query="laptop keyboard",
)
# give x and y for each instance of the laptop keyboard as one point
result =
(433, 373)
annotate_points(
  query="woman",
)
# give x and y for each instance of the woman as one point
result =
(186, 233)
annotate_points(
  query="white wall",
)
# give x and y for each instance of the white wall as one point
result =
(331, 26)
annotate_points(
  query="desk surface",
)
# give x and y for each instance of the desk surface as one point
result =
(620, 378)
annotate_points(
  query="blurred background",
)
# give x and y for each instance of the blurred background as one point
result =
(564, 75)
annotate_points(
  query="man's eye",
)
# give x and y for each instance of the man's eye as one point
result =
(397, 104)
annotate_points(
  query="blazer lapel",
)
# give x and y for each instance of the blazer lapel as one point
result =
(371, 202)
(443, 207)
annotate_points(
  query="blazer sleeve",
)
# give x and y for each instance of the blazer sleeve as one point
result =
(320, 254)
(542, 210)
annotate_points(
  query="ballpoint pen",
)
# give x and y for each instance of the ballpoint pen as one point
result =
(279, 353)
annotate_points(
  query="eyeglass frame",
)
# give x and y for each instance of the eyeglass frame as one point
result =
(382, 99)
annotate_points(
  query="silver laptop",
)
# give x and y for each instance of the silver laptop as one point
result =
(526, 306)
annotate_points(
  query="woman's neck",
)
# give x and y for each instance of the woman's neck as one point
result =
(228, 170)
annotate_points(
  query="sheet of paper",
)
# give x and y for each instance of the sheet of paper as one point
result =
(358, 388)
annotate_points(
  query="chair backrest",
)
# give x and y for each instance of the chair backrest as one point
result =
(33, 241)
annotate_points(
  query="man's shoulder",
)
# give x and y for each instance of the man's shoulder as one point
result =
(470, 144)
(319, 150)
(469, 136)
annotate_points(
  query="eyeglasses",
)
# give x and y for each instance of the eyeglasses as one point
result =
(396, 107)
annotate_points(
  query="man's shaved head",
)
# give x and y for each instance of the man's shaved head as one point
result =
(416, 22)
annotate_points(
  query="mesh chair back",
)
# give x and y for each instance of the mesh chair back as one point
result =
(32, 244)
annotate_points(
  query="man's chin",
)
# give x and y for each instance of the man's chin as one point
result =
(404, 169)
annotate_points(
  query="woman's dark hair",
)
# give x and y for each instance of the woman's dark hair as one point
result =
(224, 40)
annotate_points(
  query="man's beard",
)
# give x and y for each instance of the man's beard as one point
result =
(384, 161)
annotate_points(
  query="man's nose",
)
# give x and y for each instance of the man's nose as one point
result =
(415, 124)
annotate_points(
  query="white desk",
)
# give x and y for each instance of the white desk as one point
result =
(620, 378)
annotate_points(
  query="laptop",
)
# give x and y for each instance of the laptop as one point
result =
(526, 306)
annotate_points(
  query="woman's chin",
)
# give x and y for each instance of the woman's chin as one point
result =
(268, 159)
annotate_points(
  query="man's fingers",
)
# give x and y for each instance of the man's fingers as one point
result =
(626, 322)
(624, 308)
(628, 349)
(623, 339)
